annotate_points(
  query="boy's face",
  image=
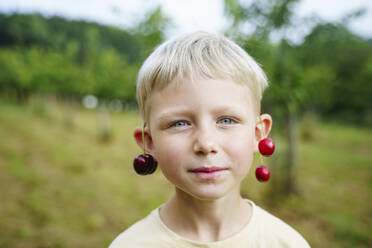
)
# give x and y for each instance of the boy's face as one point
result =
(203, 135)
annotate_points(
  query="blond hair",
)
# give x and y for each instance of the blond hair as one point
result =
(199, 55)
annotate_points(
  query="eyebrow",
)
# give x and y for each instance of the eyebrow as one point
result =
(169, 113)
(187, 112)
(224, 109)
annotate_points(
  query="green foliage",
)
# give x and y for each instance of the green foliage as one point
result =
(150, 31)
(262, 16)
(73, 58)
(342, 62)
(35, 69)
(329, 72)
(26, 30)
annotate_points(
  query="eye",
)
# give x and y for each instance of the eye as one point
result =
(226, 121)
(178, 124)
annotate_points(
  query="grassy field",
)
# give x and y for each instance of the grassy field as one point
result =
(62, 186)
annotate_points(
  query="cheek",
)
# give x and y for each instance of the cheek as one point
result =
(169, 154)
(241, 147)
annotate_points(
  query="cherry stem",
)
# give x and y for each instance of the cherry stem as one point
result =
(143, 138)
(261, 156)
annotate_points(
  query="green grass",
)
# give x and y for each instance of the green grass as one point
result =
(62, 186)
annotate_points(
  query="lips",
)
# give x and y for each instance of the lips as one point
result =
(209, 173)
(207, 169)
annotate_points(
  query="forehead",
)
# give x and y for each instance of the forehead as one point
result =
(200, 94)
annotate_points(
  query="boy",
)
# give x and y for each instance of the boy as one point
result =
(199, 95)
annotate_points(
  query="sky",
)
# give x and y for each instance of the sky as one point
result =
(187, 15)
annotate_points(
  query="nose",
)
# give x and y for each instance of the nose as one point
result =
(205, 142)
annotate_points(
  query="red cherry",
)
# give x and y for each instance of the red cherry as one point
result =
(266, 147)
(262, 173)
(140, 164)
(144, 164)
(153, 166)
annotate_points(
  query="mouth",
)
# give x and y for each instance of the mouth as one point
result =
(207, 169)
(209, 172)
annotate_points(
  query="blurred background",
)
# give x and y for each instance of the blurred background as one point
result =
(67, 112)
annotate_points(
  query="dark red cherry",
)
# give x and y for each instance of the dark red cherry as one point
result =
(140, 164)
(266, 147)
(153, 166)
(144, 164)
(262, 173)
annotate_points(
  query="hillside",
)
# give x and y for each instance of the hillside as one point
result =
(61, 186)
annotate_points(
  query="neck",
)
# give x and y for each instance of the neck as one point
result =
(205, 220)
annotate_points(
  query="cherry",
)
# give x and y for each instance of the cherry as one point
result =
(144, 164)
(262, 173)
(266, 147)
(153, 166)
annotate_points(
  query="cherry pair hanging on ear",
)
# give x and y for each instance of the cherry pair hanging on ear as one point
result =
(266, 147)
(144, 164)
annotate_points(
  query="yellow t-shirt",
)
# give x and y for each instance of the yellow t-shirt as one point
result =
(263, 230)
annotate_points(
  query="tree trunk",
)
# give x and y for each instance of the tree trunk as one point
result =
(104, 124)
(291, 155)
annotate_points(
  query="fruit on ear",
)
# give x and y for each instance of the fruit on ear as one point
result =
(262, 173)
(266, 147)
(144, 164)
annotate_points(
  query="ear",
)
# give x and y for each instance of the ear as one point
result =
(149, 145)
(262, 129)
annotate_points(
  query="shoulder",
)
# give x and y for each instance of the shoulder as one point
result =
(144, 233)
(279, 232)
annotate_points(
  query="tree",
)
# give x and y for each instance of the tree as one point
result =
(265, 19)
(329, 71)
(150, 30)
(346, 57)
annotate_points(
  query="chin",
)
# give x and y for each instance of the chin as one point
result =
(209, 193)
(208, 197)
